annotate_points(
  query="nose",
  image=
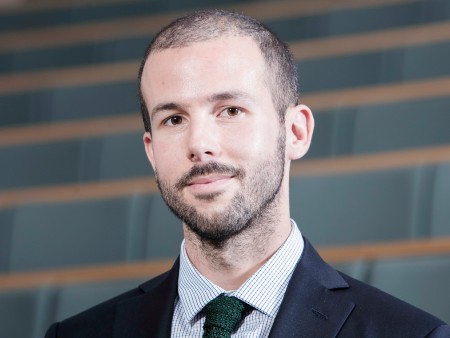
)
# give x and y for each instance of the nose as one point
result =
(203, 140)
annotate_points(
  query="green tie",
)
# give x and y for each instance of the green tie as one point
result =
(223, 314)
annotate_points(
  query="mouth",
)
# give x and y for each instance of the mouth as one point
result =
(209, 183)
(208, 176)
(208, 179)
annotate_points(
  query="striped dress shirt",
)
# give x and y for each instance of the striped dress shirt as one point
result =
(264, 291)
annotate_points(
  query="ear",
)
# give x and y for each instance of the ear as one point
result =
(149, 148)
(299, 131)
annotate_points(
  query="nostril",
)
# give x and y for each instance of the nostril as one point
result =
(201, 155)
(202, 144)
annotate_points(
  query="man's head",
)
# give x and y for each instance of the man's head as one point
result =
(281, 72)
(218, 144)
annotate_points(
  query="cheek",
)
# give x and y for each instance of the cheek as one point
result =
(166, 159)
(255, 141)
(240, 142)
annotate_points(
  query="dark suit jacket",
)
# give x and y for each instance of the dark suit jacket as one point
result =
(319, 302)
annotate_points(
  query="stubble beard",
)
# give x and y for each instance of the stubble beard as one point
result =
(254, 205)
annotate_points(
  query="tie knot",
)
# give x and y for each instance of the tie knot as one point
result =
(223, 315)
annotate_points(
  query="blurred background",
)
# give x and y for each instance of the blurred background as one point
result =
(80, 215)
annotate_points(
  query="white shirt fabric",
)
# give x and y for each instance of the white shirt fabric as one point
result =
(264, 291)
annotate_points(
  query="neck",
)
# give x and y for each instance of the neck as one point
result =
(230, 264)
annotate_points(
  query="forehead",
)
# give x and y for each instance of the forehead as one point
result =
(212, 65)
(225, 45)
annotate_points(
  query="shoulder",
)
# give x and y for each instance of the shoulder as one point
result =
(98, 321)
(354, 308)
(377, 311)
(87, 322)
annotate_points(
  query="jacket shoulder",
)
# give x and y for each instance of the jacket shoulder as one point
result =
(98, 321)
(378, 312)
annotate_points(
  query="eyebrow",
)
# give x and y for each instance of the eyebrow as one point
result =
(228, 96)
(212, 98)
(165, 106)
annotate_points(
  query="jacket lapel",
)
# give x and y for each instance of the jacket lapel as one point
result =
(315, 303)
(150, 313)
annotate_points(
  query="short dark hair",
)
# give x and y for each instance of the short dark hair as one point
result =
(209, 24)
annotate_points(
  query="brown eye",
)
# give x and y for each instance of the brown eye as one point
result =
(230, 112)
(233, 111)
(173, 120)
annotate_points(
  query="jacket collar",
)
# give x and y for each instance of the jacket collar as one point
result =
(314, 304)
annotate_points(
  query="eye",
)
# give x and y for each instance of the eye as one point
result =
(173, 120)
(230, 112)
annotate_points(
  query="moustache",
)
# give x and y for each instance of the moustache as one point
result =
(206, 169)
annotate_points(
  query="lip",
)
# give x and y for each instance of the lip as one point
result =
(209, 183)
(207, 179)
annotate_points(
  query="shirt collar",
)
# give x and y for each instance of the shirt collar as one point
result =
(264, 290)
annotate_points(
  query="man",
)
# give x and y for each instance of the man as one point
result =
(219, 103)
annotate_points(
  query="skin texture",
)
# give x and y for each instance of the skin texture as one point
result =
(220, 155)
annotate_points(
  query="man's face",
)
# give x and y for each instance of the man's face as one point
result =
(217, 146)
